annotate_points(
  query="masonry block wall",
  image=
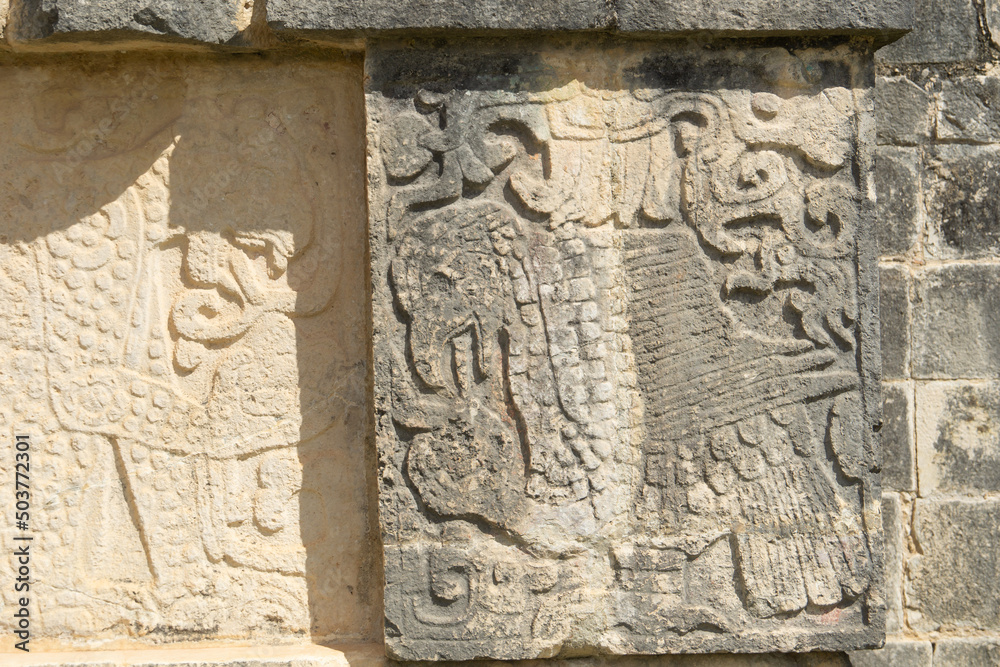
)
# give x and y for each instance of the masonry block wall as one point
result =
(938, 184)
(937, 177)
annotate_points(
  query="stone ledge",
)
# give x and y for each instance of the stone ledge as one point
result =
(224, 22)
(625, 16)
(363, 655)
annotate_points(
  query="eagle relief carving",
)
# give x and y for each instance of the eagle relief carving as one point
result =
(624, 405)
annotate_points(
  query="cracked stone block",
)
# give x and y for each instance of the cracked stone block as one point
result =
(956, 314)
(897, 186)
(968, 109)
(961, 187)
(629, 397)
(896, 653)
(954, 580)
(944, 31)
(898, 465)
(903, 111)
(967, 652)
(894, 313)
(958, 437)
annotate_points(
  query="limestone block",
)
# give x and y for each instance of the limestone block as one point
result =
(897, 653)
(454, 14)
(210, 21)
(954, 581)
(968, 109)
(993, 21)
(886, 18)
(621, 322)
(962, 191)
(373, 656)
(369, 655)
(899, 461)
(967, 652)
(903, 111)
(755, 16)
(894, 312)
(897, 185)
(183, 337)
(944, 31)
(956, 314)
(958, 437)
(894, 527)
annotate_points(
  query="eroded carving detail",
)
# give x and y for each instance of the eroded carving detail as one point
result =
(623, 337)
(192, 389)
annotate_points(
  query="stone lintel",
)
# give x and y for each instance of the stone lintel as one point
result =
(48, 23)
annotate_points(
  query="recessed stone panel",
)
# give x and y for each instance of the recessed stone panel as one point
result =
(624, 303)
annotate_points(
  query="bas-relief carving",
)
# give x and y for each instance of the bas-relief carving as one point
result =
(189, 358)
(625, 409)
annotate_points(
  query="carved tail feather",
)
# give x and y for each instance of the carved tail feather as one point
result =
(800, 545)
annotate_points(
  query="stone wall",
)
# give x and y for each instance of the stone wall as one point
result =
(138, 186)
(938, 184)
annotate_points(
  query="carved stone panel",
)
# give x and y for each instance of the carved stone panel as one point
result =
(626, 388)
(183, 338)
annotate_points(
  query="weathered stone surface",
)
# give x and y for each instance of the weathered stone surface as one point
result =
(954, 582)
(956, 316)
(897, 653)
(895, 552)
(903, 111)
(899, 459)
(339, 15)
(221, 21)
(967, 652)
(183, 337)
(887, 18)
(894, 311)
(968, 109)
(897, 185)
(958, 437)
(962, 192)
(619, 318)
(211, 21)
(993, 21)
(761, 17)
(370, 655)
(373, 656)
(943, 31)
